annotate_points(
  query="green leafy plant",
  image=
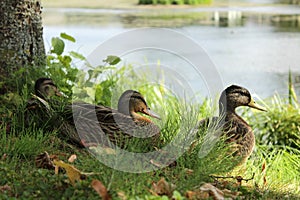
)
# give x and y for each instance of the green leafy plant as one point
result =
(89, 85)
(59, 65)
(280, 126)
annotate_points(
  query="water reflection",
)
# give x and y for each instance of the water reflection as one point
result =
(290, 23)
(285, 18)
(254, 47)
(296, 2)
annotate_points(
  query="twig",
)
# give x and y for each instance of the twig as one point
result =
(238, 178)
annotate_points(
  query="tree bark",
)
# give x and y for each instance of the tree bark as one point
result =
(21, 36)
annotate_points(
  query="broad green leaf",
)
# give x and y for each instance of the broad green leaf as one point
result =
(90, 92)
(77, 55)
(65, 60)
(112, 60)
(67, 37)
(58, 45)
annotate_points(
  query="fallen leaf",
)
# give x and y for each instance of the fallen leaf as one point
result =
(190, 194)
(5, 188)
(44, 161)
(72, 158)
(239, 179)
(162, 187)
(156, 164)
(213, 191)
(72, 173)
(263, 170)
(161, 165)
(100, 189)
(265, 180)
(197, 194)
(56, 170)
(263, 167)
(4, 156)
(53, 157)
(122, 195)
(223, 184)
(231, 194)
(189, 171)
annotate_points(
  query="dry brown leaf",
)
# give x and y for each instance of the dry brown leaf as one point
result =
(223, 184)
(231, 194)
(44, 161)
(189, 171)
(213, 191)
(100, 189)
(263, 170)
(263, 167)
(162, 187)
(265, 180)
(53, 157)
(4, 156)
(190, 194)
(72, 173)
(156, 164)
(197, 194)
(72, 158)
(122, 195)
(56, 170)
(5, 188)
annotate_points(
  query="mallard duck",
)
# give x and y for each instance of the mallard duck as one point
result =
(237, 131)
(87, 124)
(38, 109)
(97, 124)
(45, 88)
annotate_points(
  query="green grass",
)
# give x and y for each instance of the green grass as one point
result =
(22, 145)
(280, 126)
(22, 179)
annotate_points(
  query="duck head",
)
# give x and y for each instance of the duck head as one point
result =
(235, 96)
(132, 102)
(44, 88)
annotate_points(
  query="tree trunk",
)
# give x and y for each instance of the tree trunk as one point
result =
(21, 36)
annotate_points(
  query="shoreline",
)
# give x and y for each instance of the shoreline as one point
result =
(132, 4)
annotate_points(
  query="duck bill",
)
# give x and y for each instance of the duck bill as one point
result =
(59, 94)
(252, 104)
(151, 113)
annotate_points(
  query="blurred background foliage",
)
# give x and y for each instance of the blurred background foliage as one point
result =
(175, 2)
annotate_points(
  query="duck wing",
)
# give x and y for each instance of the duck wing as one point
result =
(103, 125)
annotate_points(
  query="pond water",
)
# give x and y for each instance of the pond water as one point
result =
(250, 46)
